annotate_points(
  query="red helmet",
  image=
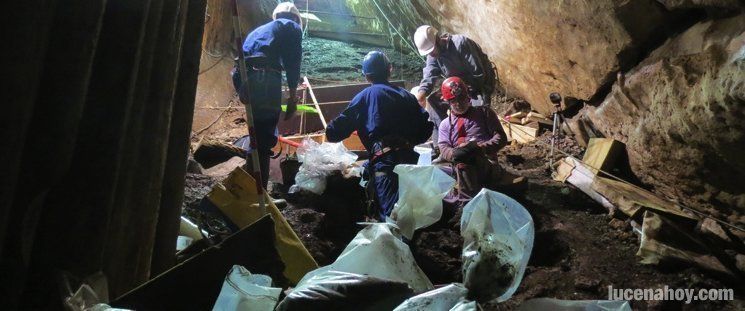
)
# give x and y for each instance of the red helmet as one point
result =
(453, 87)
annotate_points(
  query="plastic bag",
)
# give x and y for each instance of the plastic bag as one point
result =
(420, 193)
(378, 251)
(425, 155)
(245, 291)
(441, 299)
(334, 290)
(497, 241)
(319, 160)
(539, 304)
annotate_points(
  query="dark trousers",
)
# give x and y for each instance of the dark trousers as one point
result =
(386, 181)
(264, 95)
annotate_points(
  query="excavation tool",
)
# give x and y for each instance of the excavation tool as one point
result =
(556, 101)
(244, 91)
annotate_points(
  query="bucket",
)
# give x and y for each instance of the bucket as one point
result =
(289, 167)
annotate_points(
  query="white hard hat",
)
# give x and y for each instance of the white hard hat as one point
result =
(425, 38)
(287, 7)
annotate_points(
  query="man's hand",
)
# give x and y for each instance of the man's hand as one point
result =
(421, 97)
(291, 105)
(470, 145)
(465, 151)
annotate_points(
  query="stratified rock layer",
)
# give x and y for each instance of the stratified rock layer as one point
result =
(681, 113)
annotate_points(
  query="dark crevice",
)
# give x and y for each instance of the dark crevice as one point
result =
(644, 41)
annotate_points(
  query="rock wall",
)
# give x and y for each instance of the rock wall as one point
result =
(681, 114)
(571, 46)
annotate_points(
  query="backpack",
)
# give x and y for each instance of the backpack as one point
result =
(490, 69)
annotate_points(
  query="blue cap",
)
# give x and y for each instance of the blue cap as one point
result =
(375, 63)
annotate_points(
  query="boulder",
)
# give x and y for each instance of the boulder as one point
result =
(681, 115)
(573, 47)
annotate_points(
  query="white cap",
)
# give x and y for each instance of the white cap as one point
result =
(425, 38)
(287, 7)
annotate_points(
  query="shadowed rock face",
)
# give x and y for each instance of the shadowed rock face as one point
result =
(719, 4)
(681, 113)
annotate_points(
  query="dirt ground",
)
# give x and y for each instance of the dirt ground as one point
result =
(579, 249)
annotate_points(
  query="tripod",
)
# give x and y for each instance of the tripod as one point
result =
(558, 118)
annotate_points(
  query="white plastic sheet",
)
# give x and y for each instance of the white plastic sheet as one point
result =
(378, 251)
(420, 193)
(441, 299)
(319, 160)
(425, 155)
(540, 304)
(245, 291)
(497, 241)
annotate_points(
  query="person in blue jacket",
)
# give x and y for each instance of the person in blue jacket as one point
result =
(270, 49)
(389, 122)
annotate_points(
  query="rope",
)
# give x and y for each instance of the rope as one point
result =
(230, 106)
(408, 44)
(211, 66)
(701, 214)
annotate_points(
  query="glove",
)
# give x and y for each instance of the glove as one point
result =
(465, 153)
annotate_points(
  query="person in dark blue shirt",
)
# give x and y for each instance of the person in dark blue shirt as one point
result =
(389, 122)
(270, 49)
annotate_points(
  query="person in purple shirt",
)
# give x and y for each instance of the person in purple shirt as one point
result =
(470, 138)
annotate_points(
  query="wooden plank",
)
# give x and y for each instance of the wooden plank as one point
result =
(521, 134)
(632, 200)
(601, 154)
(352, 143)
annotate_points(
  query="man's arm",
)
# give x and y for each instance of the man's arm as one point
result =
(443, 135)
(430, 74)
(291, 53)
(498, 138)
(343, 126)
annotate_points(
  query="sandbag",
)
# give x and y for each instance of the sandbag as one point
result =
(378, 251)
(420, 193)
(243, 291)
(335, 290)
(498, 237)
(446, 298)
(319, 161)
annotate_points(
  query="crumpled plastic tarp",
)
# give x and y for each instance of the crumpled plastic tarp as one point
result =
(497, 241)
(378, 251)
(451, 297)
(318, 161)
(540, 304)
(420, 193)
(334, 290)
(245, 291)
